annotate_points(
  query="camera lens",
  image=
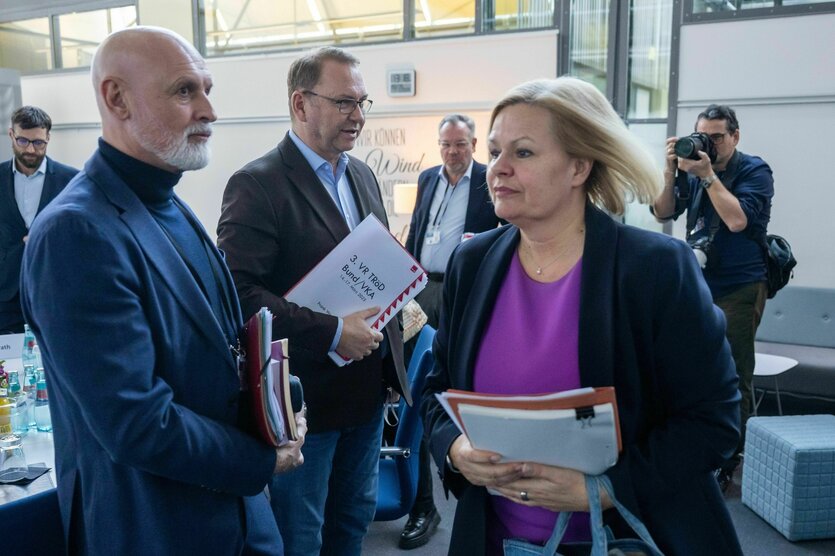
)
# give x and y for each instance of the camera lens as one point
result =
(687, 147)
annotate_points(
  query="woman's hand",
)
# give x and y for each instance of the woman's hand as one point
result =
(481, 467)
(553, 488)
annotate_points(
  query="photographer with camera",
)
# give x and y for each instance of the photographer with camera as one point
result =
(727, 195)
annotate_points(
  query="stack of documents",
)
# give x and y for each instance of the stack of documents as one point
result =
(576, 429)
(268, 380)
(369, 268)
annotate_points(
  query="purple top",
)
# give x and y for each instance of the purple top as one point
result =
(530, 347)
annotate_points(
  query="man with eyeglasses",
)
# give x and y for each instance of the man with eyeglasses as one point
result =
(452, 204)
(281, 214)
(728, 206)
(28, 182)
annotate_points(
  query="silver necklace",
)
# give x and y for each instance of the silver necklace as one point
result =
(540, 269)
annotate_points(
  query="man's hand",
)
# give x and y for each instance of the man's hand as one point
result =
(670, 157)
(290, 456)
(358, 339)
(700, 168)
(481, 467)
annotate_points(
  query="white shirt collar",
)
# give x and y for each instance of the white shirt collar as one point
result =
(468, 174)
(41, 168)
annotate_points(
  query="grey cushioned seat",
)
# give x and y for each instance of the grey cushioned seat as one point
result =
(800, 323)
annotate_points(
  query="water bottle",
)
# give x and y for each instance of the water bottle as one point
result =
(43, 419)
(27, 356)
(5, 403)
(36, 357)
(19, 410)
(30, 388)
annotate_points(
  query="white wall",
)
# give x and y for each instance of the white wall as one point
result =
(462, 75)
(779, 76)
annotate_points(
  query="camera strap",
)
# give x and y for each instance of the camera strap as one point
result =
(728, 179)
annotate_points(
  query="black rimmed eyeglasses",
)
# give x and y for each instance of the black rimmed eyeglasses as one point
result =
(23, 142)
(717, 138)
(346, 105)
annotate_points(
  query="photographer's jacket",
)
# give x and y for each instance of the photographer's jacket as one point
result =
(737, 258)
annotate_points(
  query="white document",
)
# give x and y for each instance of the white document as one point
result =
(443, 398)
(550, 436)
(368, 268)
(11, 346)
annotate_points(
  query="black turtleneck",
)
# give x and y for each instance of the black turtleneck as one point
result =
(155, 188)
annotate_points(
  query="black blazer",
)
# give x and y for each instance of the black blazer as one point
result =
(13, 228)
(277, 222)
(648, 327)
(480, 214)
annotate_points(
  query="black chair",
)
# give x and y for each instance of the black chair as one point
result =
(399, 463)
(33, 526)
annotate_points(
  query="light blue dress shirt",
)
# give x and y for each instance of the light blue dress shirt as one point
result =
(338, 187)
(27, 191)
(447, 215)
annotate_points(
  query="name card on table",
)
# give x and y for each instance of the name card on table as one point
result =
(11, 346)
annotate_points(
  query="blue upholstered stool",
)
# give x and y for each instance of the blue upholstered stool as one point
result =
(788, 475)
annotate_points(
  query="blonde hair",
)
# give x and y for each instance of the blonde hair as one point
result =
(586, 126)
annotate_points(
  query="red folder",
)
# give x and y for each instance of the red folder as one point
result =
(255, 367)
(266, 362)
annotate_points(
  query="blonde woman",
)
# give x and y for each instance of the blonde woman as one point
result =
(565, 297)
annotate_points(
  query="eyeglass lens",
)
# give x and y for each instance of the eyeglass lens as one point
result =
(24, 142)
(346, 106)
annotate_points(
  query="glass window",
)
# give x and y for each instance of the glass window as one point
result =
(649, 58)
(81, 33)
(713, 6)
(25, 45)
(654, 138)
(589, 41)
(441, 17)
(236, 26)
(506, 15)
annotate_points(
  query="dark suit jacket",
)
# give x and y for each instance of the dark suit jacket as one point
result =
(480, 214)
(277, 222)
(13, 228)
(648, 327)
(143, 388)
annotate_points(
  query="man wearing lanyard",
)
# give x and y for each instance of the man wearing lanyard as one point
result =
(452, 205)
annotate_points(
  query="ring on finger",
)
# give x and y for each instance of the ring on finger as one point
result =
(524, 496)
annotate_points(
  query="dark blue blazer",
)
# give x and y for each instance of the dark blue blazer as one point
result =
(143, 389)
(648, 327)
(480, 214)
(13, 229)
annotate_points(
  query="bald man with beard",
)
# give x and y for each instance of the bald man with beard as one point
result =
(138, 321)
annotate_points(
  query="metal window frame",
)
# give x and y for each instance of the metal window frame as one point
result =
(26, 12)
(53, 15)
(741, 14)
(199, 25)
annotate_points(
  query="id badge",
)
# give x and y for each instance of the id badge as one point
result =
(432, 237)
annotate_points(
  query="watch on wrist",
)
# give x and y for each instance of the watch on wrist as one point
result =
(450, 465)
(705, 182)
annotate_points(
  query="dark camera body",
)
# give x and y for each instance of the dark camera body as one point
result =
(296, 393)
(704, 251)
(689, 146)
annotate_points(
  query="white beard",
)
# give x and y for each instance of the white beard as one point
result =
(174, 150)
